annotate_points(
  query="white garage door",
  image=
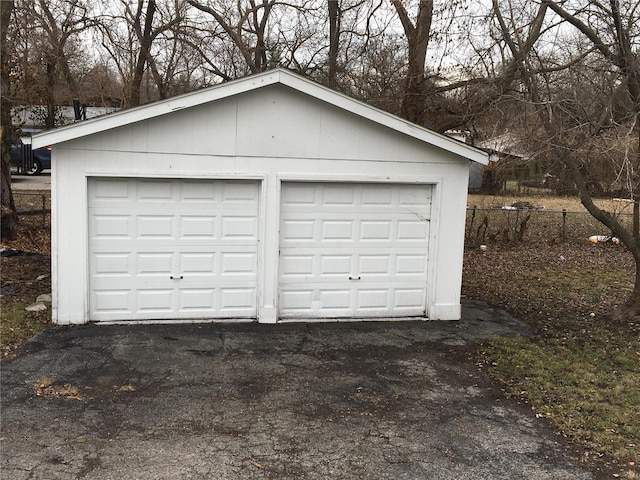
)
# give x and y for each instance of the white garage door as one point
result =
(172, 249)
(353, 250)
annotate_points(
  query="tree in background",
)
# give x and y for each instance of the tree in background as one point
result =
(579, 92)
(48, 53)
(141, 38)
(418, 33)
(8, 220)
(245, 27)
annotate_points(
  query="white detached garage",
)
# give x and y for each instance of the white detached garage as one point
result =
(268, 198)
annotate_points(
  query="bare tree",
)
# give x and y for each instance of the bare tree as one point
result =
(455, 94)
(137, 36)
(245, 26)
(418, 33)
(48, 32)
(335, 17)
(572, 125)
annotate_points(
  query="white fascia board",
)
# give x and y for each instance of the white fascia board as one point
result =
(253, 82)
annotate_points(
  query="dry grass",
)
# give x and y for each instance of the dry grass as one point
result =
(490, 223)
(580, 369)
(20, 283)
(34, 231)
(546, 202)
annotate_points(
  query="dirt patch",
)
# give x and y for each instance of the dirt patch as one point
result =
(24, 278)
(26, 273)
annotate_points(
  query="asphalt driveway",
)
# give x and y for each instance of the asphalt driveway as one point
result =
(318, 401)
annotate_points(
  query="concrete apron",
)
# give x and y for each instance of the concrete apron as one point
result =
(344, 401)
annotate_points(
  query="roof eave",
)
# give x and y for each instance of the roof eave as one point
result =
(152, 110)
(381, 117)
(253, 82)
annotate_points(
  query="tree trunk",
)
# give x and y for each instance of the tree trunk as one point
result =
(50, 119)
(146, 39)
(630, 310)
(8, 219)
(334, 41)
(414, 99)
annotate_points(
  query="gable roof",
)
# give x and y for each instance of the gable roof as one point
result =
(255, 82)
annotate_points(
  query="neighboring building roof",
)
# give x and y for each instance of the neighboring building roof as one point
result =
(27, 114)
(507, 143)
(254, 82)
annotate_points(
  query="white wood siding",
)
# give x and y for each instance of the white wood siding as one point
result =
(270, 136)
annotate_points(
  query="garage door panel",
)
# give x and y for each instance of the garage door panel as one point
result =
(334, 299)
(377, 196)
(337, 195)
(414, 197)
(296, 302)
(375, 230)
(154, 190)
(155, 264)
(237, 227)
(379, 264)
(110, 191)
(155, 300)
(111, 301)
(197, 299)
(109, 264)
(336, 230)
(297, 230)
(407, 264)
(409, 230)
(172, 249)
(237, 301)
(353, 250)
(242, 263)
(373, 298)
(408, 298)
(153, 227)
(198, 227)
(238, 193)
(111, 227)
(334, 265)
(296, 266)
(195, 263)
(298, 195)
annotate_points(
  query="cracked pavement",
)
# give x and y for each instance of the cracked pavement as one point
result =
(396, 400)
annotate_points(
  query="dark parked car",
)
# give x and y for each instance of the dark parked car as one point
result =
(21, 149)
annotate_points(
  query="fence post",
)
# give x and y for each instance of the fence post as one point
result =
(636, 216)
(473, 217)
(564, 224)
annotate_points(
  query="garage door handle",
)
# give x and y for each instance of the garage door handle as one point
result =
(354, 278)
(176, 278)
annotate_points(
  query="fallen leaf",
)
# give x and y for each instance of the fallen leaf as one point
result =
(256, 464)
(44, 382)
(126, 388)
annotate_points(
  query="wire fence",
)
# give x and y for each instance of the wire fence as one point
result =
(483, 225)
(33, 208)
(516, 225)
